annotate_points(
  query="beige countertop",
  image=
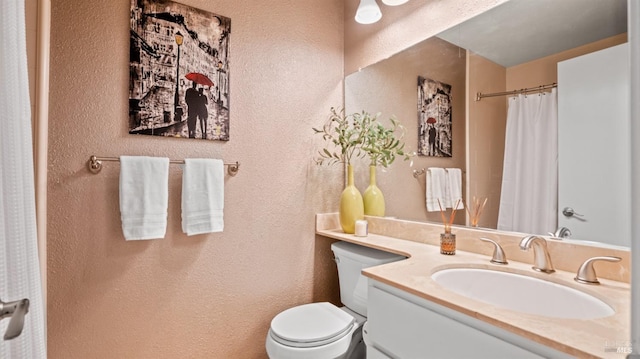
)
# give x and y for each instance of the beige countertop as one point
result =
(580, 338)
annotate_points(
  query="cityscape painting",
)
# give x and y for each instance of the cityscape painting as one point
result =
(179, 71)
(434, 118)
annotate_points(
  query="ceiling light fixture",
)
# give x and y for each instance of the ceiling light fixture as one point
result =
(368, 12)
(394, 2)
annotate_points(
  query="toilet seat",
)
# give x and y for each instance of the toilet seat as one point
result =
(311, 325)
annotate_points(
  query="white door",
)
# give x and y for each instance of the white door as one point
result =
(594, 146)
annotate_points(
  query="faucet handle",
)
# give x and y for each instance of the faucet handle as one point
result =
(498, 253)
(587, 274)
(561, 233)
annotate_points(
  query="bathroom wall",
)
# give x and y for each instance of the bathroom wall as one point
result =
(207, 296)
(486, 124)
(31, 33)
(33, 28)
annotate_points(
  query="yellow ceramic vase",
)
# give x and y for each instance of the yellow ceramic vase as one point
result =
(373, 197)
(351, 205)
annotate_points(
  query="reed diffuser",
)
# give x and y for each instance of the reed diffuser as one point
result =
(448, 239)
(475, 210)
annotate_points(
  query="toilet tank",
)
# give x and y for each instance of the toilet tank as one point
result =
(351, 259)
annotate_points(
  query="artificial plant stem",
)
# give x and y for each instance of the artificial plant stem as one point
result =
(345, 174)
(372, 175)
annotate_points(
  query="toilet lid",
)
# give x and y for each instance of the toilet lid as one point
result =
(311, 325)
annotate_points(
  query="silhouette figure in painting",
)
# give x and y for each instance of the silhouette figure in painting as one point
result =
(191, 97)
(432, 140)
(203, 112)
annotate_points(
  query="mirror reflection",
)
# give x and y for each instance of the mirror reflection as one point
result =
(549, 160)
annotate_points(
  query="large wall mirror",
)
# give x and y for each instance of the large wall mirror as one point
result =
(516, 45)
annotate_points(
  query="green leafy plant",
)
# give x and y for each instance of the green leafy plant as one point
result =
(383, 144)
(358, 135)
(345, 133)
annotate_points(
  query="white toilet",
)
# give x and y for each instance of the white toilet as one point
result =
(322, 330)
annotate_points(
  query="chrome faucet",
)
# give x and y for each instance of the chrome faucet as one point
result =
(587, 275)
(541, 257)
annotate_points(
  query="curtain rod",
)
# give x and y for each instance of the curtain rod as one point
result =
(540, 88)
(95, 164)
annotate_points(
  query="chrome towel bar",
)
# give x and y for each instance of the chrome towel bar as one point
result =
(95, 164)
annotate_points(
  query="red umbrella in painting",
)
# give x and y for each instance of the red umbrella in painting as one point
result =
(199, 78)
(431, 120)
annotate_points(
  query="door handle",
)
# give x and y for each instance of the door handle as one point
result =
(569, 212)
(17, 311)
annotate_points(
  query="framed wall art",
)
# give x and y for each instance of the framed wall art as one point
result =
(434, 118)
(179, 71)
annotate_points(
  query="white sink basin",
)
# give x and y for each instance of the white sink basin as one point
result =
(522, 293)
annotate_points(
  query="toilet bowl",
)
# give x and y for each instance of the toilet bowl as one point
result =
(323, 330)
(315, 331)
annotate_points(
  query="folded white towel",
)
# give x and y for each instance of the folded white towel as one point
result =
(453, 188)
(144, 193)
(202, 196)
(435, 188)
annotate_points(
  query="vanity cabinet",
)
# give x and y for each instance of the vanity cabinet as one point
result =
(402, 325)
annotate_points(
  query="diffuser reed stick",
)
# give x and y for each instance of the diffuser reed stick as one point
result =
(448, 222)
(447, 227)
(475, 210)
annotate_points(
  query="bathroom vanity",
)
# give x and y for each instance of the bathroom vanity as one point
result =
(411, 315)
(403, 325)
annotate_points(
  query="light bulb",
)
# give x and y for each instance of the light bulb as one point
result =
(394, 2)
(368, 12)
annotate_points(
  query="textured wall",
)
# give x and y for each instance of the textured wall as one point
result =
(208, 296)
(31, 23)
(486, 125)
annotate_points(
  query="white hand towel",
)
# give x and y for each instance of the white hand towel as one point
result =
(435, 188)
(202, 196)
(144, 193)
(453, 188)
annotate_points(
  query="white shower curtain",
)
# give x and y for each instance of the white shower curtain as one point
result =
(528, 201)
(19, 267)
